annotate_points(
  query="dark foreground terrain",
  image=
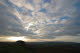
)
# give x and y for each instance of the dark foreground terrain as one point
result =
(39, 47)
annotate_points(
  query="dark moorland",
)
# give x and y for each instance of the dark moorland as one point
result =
(39, 47)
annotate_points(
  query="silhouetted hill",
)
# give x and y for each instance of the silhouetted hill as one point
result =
(39, 47)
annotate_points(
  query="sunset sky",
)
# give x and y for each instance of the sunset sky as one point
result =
(40, 20)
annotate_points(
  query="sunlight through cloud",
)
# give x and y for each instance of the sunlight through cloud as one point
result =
(17, 38)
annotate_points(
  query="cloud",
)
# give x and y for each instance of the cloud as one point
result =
(22, 3)
(61, 9)
(68, 38)
(48, 18)
(64, 21)
(9, 23)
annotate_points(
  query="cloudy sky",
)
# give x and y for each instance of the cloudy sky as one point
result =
(42, 20)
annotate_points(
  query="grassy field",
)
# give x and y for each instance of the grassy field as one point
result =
(40, 47)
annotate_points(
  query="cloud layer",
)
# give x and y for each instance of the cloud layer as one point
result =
(44, 19)
(9, 23)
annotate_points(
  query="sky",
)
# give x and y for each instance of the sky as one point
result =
(40, 20)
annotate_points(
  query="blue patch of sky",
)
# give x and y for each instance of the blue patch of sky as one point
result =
(52, 20)
(30, 1)
(46, 1)
(77, 21)
(11, 4)
(30, 13)
(77, 5)
(65, 17)
(19, 9)
(43, 10)
(7, 1)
